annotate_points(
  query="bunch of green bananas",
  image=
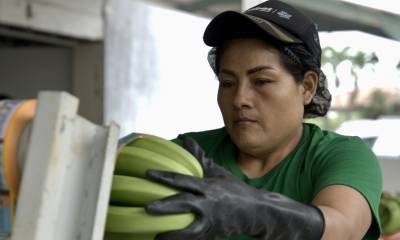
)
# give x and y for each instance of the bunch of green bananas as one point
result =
(389, 213)
(130, 191)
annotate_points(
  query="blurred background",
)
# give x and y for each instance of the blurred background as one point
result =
(143, 64)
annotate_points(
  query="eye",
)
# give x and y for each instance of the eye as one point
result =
(223, 83)
(262, 81)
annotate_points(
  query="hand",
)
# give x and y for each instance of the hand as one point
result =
(225, 206)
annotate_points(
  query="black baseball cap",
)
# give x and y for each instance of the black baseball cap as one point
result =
(271, 18)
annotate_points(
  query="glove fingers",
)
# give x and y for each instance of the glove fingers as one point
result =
(210, 168)
(178, 203)
(194, 231)
(194, 148)
(177, 180)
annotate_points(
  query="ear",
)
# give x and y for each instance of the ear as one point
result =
(310, 84)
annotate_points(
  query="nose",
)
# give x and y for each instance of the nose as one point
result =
(242, 97)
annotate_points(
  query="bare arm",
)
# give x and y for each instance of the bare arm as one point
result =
(347, 213)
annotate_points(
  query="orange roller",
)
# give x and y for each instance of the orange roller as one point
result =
(14, 117)
(22, 115)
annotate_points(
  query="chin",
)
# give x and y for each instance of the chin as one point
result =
(245, 135)
(246, 140)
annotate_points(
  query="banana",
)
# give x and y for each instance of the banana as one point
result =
(169, 149)
(133, 191)
(389, 213)
(136, 220)
(135, 161)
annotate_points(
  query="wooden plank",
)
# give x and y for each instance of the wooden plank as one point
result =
(53, 18)
(67, 177)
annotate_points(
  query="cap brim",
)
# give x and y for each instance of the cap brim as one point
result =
(231, 23)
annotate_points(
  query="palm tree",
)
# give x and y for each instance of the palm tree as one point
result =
(335, 58)
(358, 61)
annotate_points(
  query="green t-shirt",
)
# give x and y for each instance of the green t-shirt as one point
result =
(322, 158)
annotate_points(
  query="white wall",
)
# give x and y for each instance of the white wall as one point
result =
(157, 78)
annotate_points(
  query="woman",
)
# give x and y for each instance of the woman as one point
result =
(268, 175)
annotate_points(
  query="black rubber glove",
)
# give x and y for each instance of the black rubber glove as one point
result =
(225, 206)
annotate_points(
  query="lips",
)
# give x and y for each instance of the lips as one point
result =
(244, 120)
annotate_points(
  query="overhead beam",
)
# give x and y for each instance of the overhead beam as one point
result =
(349, 16)
(207, 5)
(336, 15)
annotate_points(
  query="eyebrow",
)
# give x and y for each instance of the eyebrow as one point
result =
(259, 69)
(249, 72)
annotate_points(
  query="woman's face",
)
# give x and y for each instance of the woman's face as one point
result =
(261, 103)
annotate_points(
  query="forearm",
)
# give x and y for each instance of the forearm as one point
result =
(347, 214)
(336, 225)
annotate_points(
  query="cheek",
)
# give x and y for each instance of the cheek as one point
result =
(283, 102)
(225, 106)
(222, 101)
(294, 106)
(219, 100)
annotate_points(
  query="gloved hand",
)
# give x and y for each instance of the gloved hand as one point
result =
(225, 206)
